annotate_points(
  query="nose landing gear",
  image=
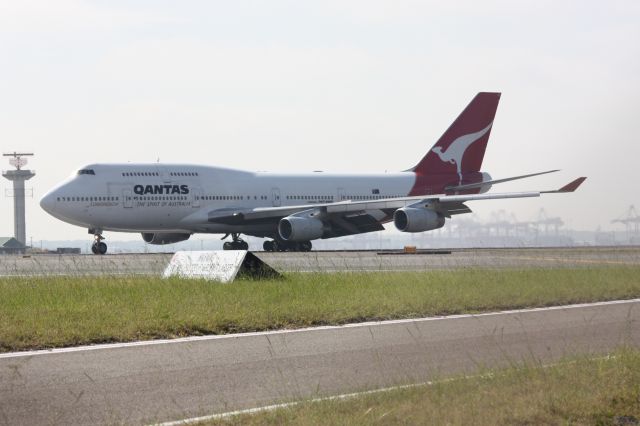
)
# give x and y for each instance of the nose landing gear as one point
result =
(98, 247)
(236, 244)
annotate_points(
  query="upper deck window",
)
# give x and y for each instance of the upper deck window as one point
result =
(86, 172)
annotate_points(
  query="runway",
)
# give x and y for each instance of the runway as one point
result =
(154, 264)
(159, 381)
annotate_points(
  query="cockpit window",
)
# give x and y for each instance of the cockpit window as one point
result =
(86, 172)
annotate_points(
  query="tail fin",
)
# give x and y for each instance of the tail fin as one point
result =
(461, 148)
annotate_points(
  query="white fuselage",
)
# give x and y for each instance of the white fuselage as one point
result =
(179, 197)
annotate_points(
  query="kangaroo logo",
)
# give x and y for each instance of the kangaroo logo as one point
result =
(454, 152)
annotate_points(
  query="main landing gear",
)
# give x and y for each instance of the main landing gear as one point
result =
(276, 245)
(236, 244)
(98, 247)
(269, 245)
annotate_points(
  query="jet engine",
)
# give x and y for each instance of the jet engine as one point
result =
(412, 219)
(164, 238)
(294, 228)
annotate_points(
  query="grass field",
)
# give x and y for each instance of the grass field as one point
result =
(45, 312)
(583, 391)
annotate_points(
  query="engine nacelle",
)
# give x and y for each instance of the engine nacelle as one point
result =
(411, 219)
(293, 228)
(164, 238)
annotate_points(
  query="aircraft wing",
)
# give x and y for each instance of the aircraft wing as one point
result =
(352, 217)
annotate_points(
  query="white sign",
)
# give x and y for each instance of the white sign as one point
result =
(219, 265)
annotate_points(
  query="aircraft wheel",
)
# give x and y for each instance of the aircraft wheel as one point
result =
(102, 248)
(98, 247)
(268, 246)
(305, 246)
(243, 245)
(227, 246)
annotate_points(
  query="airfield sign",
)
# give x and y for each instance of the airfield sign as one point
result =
(219, 265)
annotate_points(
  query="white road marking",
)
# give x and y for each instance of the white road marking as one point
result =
(303, 330)
(274, 407)
(287, 404)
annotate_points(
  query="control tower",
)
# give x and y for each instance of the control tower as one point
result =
(18, 176)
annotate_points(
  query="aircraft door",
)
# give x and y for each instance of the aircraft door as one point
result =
(341, 196)
(197, 195)
(127, 199)
(275, 197)
(164, 173)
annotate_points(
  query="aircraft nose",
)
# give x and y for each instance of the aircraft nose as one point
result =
(47, 202)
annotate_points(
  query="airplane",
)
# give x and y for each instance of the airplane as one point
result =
(168, 203)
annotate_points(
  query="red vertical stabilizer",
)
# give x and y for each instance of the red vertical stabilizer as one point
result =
(460, 149)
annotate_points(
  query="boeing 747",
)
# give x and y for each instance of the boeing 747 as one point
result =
(168, 203)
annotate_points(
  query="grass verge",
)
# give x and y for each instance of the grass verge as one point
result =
(602, 391)
(45, 312)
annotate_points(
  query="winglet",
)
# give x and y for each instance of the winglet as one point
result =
(570, 187)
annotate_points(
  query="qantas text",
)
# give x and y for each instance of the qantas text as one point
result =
(161, 189)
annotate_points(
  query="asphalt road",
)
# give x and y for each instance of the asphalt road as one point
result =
(161, 381)
(154, 264)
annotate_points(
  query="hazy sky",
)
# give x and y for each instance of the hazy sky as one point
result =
(357, 86)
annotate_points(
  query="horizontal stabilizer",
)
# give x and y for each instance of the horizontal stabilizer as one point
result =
(493, 182)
